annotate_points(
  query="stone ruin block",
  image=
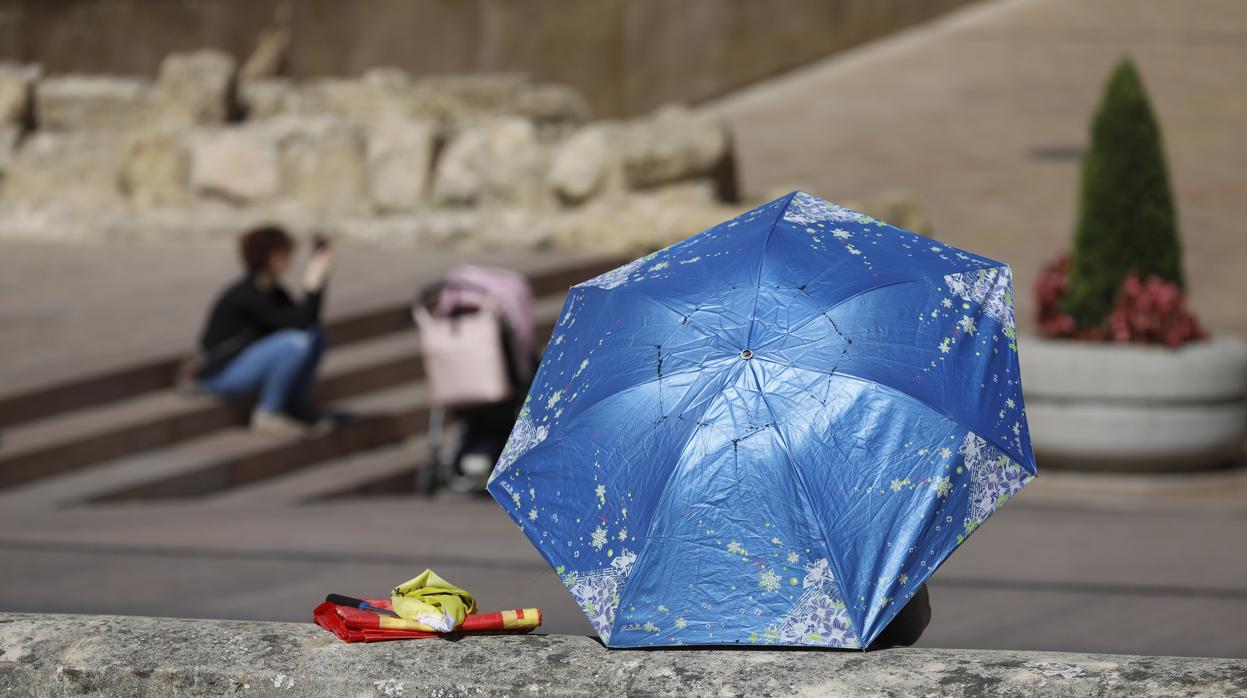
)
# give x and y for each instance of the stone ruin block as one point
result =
(155, 169)
(514, 94)
(196, 89)
(268, 98)
(500, 161)
(400, 161)
(381, 93)
(586, 164)
(241, 165)
(322, 163)
(671, 145)
(71, 171)
(73, 103)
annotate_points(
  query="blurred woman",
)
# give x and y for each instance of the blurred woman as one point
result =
(259, 339)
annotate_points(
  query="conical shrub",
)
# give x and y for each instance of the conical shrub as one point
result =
(1126, 218)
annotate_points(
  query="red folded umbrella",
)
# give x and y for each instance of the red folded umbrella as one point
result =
(356, 625)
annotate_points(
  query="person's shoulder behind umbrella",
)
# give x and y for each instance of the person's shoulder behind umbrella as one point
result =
(907, 626)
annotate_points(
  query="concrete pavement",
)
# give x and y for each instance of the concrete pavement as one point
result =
(1045, 573)
(984, 115)
(977, 113)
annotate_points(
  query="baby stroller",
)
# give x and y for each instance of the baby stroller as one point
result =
(479, 349)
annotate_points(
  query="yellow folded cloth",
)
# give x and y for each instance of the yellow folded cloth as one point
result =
(433, 602)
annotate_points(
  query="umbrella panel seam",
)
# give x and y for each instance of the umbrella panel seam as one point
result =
(832, 559)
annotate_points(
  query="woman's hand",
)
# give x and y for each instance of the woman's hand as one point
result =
(317, 271)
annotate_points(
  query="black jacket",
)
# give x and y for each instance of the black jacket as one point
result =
(244, 313)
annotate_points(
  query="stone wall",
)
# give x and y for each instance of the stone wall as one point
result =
(63, 655)
(485, 159)
(627, 56)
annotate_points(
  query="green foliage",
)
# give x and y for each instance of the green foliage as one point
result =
(1126, 220)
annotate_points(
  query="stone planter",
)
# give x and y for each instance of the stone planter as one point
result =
(1097, 406)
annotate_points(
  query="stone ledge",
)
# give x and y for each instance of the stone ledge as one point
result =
(70, 655)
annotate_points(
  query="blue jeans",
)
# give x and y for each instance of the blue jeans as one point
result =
(281, 366)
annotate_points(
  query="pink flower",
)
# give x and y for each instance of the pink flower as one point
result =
(1147, 310)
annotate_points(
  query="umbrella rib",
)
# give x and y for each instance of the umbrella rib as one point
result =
(819, 276)
(708, 332)
(573, 417)
(837, 304)
(662, 491)
(796, 473)
(860, 293)
(757, 291)
(911, 396)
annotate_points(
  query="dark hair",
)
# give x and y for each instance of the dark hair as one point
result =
(258, 245)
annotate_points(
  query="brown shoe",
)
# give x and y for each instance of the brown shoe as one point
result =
(277, 424)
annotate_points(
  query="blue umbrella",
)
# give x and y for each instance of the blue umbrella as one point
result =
(772, 432)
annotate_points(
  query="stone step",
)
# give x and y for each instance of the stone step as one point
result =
(152, 374)
(79, 438)
(333, 478)
(74, 487)
(229, 458)
(384, 418)
(400, 481)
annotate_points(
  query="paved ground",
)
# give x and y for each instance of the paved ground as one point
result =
(956, 111)
(984, 114)
(1153, 576)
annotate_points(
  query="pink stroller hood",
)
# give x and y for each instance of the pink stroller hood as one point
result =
(508, 291)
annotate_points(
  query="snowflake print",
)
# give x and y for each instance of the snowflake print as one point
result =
(902, 579)
(967, 324)
(897, 485)
(532, 515)
(769, 581)
(942, 486)
(600, 491)
(947, 303)
(680, 623)
(735, 548)
(841, 234)
(1010, 403)
(946, 453)
(623, 534)
(945, 346)
(598, 540)
(793, 557)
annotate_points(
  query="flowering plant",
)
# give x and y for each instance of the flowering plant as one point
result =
(1146, 310)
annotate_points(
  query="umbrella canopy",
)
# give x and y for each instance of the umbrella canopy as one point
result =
(771, 432)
